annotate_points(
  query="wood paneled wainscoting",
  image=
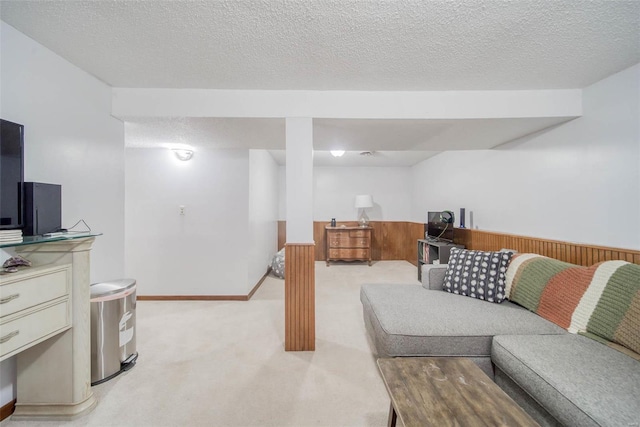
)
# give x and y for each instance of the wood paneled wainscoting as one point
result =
(299, 297)
(574, 253)
(396, 240)
(390, 240)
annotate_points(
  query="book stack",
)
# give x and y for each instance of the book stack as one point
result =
(10, 236)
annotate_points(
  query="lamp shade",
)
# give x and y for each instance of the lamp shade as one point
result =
(364, 201)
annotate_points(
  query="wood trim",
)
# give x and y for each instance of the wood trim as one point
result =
(395, 240)
(191, 298)
(574, 253)
(255, 288)
(282, 234)
(7, 409)
(205, 297)
(398, 240)
(299, 297)
(390, 240)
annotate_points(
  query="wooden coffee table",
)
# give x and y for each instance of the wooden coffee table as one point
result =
(429, 391)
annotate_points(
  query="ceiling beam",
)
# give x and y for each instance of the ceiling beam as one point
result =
(130, 102)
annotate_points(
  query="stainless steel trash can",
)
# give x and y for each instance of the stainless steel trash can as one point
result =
(113, 328)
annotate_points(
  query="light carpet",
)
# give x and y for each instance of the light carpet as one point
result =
(222, 363)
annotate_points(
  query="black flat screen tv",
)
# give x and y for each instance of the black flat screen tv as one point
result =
(437, 229)
(11, 174)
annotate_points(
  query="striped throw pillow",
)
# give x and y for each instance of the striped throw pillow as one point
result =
(601, 300)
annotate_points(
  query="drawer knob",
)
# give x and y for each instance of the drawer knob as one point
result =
(9, 298)
(7, 337)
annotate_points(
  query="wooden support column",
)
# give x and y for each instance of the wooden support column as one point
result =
(299, 300)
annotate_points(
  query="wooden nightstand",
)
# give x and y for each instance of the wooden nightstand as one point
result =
(348, 244)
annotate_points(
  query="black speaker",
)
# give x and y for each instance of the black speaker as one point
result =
(42, 208)
(462, 212)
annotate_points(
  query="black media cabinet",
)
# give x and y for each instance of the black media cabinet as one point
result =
(433, 252)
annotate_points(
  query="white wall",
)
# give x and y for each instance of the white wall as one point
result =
(335, 189)
(299, 179)
(204, 251)
(579, 181)
(70, 139)
(7, 380)
(282, 193)
(263, 214)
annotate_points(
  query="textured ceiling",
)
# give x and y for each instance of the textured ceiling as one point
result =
(356, 159)
(393, 142)
(423, 135)
(267, 134)
(338, 44)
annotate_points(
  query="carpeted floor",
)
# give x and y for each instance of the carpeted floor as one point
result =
(208, 363)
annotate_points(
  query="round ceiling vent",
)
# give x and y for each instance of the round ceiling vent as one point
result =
(366, 153)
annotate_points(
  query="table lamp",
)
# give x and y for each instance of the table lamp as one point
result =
(364, 202)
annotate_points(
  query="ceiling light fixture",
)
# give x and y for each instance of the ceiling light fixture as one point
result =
(183, 154)
(337, 153)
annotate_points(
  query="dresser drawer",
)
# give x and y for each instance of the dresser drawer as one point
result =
(333, 234)
(343, 234)
(24, 331)
(359, 242)
(349, 253)
(29, 288)
(359, 233)
(349, 242)
(336, 241)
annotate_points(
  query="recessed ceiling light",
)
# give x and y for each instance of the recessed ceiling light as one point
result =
(337, 153)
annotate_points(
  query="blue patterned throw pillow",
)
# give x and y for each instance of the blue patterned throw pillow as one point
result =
(477, 274)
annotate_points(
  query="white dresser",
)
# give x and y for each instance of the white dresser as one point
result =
(45, 322)
(35, 304)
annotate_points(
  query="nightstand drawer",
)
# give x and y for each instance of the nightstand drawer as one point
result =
(28, 288)
(349, 254)
(24, 331)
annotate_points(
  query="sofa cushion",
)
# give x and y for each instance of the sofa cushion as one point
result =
(477, 274)
(408, 320)
(578, 381)
(433, 276)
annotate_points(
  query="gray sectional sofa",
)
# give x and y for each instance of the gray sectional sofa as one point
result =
(557, 377)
